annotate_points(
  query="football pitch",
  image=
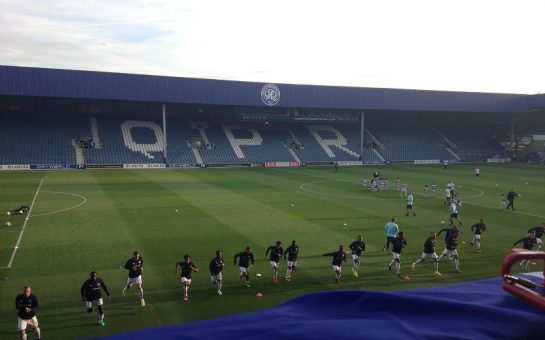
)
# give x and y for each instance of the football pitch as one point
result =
(93, 220)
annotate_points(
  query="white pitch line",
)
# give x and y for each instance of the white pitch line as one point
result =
(65, 209)
(24, 225)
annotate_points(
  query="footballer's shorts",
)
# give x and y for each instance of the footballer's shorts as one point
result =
(450, 253)
(477, 237)
(395, 256)
(244, 270)
(185, 280)
(337, 268)
(432, 255)
(539, 242)
(216, 278)
(355, 257)
(134, 280)
(455, 215)
(292, 263)
(274, 264)
(409, 206)
(89, 304)
(23, 323)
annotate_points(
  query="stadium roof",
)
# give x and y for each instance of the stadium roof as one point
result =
(57, 83)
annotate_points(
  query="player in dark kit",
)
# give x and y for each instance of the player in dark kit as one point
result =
(91, 294)
(429, 251)
(511, 199)
(451, 243)
(276, 254)
(25, 307)
(135, 266)
(292, 252)
(397, 246)
(528, 243)
(477, 230)
(216, 266)
(186, 269)
(244, 263)
(338, 258)
(357, 247)
(539, 231)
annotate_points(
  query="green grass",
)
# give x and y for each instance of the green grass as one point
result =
(228, 209)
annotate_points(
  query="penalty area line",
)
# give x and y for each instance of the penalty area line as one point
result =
(23, 228)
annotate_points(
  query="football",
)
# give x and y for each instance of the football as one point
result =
(8, 224)
(442, 222)
(8, 213)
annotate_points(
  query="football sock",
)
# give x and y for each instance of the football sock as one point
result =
(398, 266)
(436, 266)
(457, 263)
(219, 284)
(38, 332)
(141, 293)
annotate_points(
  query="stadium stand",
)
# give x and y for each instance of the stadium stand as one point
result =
(471, 144)
(407, 142)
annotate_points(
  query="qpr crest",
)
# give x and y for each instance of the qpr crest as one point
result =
(270, 94)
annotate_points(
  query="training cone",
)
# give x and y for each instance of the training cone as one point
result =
(258, 294)
(406, 277)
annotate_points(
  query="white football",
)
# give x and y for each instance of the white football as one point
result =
(442, 222)
(20, 211)
(8, 213)
(8, 224)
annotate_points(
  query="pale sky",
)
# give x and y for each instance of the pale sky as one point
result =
(458, 45)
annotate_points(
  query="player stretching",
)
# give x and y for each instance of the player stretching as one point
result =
(244, 263)
(25, 306)
(397, 246)
(528, 243)
(135, 266)
(451, 243)
(216, 266)
(478, 229)
(429, 251)
(292, 252)
(502, 201)
(391, 229)
(403, 192)
(357, 247)
(410, 200)
(91, 294)
(538, 231)
(276, 253)
(338, 258)
(186, 268)
(453, 208)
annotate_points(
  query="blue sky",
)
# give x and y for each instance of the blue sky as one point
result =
(478, 45)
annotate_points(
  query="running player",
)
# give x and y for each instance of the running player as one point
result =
(478, 229)
(429, 251)
(426, 189)
(25, 306)
(391, 229)
(216, 267)
(186, 269)
(397, 246)
(338, 258)
(528, 243)
(91, 294)
(451, 243)
(244, 263)
(410, 200)
(447, 197)
(276, 253)
(386, 184)
(403, 189)
(453, 208)
(398, 184)
(502, 201)
(357, 247)
(477, 173)
(292, 252)
(135, 266)
(539, 231)
(433, 189)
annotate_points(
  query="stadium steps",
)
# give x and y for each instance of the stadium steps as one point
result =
(94, 132)
(80, 158)
(198, 156)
